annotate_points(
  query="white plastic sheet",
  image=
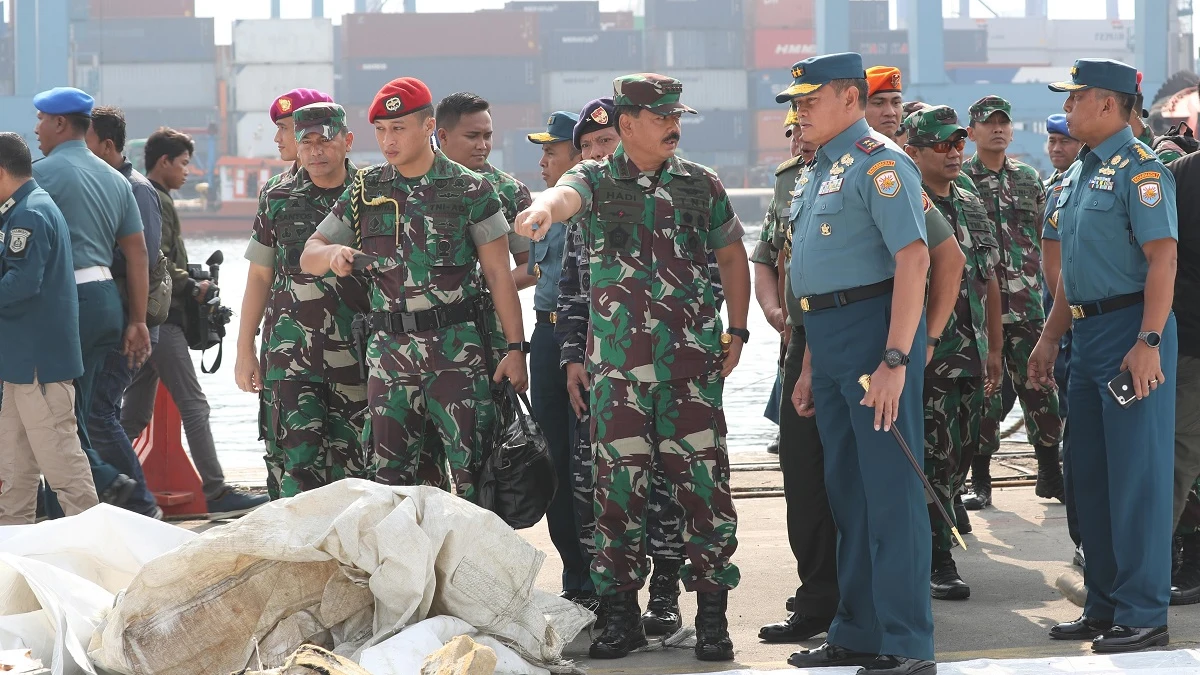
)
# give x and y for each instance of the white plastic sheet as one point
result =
(405, 652)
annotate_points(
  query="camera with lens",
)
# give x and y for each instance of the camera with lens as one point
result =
(204, 317)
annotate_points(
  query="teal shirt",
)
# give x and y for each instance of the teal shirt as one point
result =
(95, 199)
(1114, 200)
(852, 212)
(545, 263)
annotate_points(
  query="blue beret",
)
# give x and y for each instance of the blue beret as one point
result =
(596, 115)
(808, 75)
(1102, 73)
(64, 101)
(1057, 124)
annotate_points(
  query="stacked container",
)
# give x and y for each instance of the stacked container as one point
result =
(272, 57)
(783, 34)
(160, 70)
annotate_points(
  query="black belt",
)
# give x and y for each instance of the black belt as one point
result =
(1090, 309)
(428, 319)
(547, 317)
(815, 303)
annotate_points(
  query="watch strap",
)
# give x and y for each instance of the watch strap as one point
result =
(522, 347)
(741, 333)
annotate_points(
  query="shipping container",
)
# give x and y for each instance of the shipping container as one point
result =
(162, 40)
(255, 135)
(881, 47)
(572, 89)
(509, 116)
(783, 48)
(716, 130)
(869, 15)
(498, 79)
(780, 14)
(364, 131)
(980, 74)
(488, 34)
(965, 46)
(141, 122)
(521, 155)
(616, 21)
(1086, 36)
(256, 87)
(129, 9)
(1019, 57)
(618, 49)
(724, 162)
(694, 14)
(1006, 33)
(764, 85)
(1066, 59)
(155, 85)
(283, 41)
(770, 159)
(702, 89)
(695, 49)
(556, 16)
(768, 129)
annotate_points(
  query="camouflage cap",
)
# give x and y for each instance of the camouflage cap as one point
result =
(327, 119)
(657, 93)
(984, 107)
(933, 124)
(911, 107)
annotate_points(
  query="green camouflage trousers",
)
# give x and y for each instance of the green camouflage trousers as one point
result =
(954, 410)
(266, 433)
(453, 408)
(1043, 424)
(682, 423)
(317, 428)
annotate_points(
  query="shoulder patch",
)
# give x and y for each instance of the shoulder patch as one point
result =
(788, 164)
(1145, 175)
(887, 183)
(879, 165)
(1150, 193)
(18, 241)
(1143, 154)
(1053, 219)
(869, 145)
(926, 202)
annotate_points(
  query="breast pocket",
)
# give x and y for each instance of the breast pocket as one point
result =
(1026, 203)
(446, 243)
(618, 229)
(691, 230)
(830, 231)
(1094, 224)
(378, 228)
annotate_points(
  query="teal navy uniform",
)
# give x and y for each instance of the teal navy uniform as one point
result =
(548, 384)
(858, 206)
(1117, 197)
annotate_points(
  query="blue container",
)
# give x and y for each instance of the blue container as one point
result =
(765, 84)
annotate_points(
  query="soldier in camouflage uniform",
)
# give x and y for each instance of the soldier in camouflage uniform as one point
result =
(308, 365)
(1015, 200)
(432, 226)
(955, 401)
(247, 372)
(665, 516)
(655, 353)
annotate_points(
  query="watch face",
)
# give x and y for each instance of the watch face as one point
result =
(893, 358)
(1152, 339)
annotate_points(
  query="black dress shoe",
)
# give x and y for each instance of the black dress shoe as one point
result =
(1185, 581)
(119, 491)
(899, 665)
(790, 604)
(795, 628)
(944, 582)
(960, 515)
(1128, 639)
(830, 655)
(1082, 628)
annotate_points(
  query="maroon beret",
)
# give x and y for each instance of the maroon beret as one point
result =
(285, 105)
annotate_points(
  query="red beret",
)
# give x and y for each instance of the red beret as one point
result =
(285, 105)
(402, 96)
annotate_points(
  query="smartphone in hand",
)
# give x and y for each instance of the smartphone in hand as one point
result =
(1121, 388)
(362, 261)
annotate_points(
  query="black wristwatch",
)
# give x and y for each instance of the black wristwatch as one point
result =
(740, 332)
(894, 358)
(1152, 338)
(522, 347)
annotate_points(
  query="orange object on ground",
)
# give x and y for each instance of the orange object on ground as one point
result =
(170, 474)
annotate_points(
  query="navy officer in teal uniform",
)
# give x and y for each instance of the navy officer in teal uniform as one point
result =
(859, 265)
(548, 381)
(1116, 219)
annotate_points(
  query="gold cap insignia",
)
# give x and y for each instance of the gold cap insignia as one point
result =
(285, 104)
(600, 116)
(393, 104)
(798, 72)
(550, 120)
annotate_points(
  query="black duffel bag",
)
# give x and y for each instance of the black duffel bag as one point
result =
(517, 479)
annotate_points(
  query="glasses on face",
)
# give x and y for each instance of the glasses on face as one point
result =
(943, 147)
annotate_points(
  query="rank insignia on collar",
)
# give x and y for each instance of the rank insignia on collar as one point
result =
(868, 144)
(826, 230)
(1115, 160)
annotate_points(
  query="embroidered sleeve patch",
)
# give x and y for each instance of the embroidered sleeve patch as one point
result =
(1150, 193)
(18, 241)
(869, 145)
(1146, 175)
(1053, 219)
(887, 183)
(880, 165)
(926, 202)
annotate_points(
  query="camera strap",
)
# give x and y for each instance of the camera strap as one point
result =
(217, 362)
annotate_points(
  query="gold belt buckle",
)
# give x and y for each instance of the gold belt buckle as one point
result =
(804, 304)
(553, 317)
(1077, 312)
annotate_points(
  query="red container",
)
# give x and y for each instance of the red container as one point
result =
(781, 13)
(616, 20)
(782, 48)
(424, 35)
(768, 126)
(151, 9)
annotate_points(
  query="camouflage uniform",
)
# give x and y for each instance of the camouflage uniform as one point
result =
(316, 396)
(424, 382)
(654, 357)
(1015, 201)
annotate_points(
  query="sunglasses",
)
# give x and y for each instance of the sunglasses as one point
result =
(943, 147)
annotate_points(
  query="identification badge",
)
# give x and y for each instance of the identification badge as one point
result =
(830, 186)
(1102, 183)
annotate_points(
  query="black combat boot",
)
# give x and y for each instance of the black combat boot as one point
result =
(1049, 475)
(944, 582)
(1185, 584)
(1176, 554)
(981, 484)
(960, 516)
(712, 628)
(623, 633)
(662, 612)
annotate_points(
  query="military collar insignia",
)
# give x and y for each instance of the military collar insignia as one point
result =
(8, 204)
(868, 145)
